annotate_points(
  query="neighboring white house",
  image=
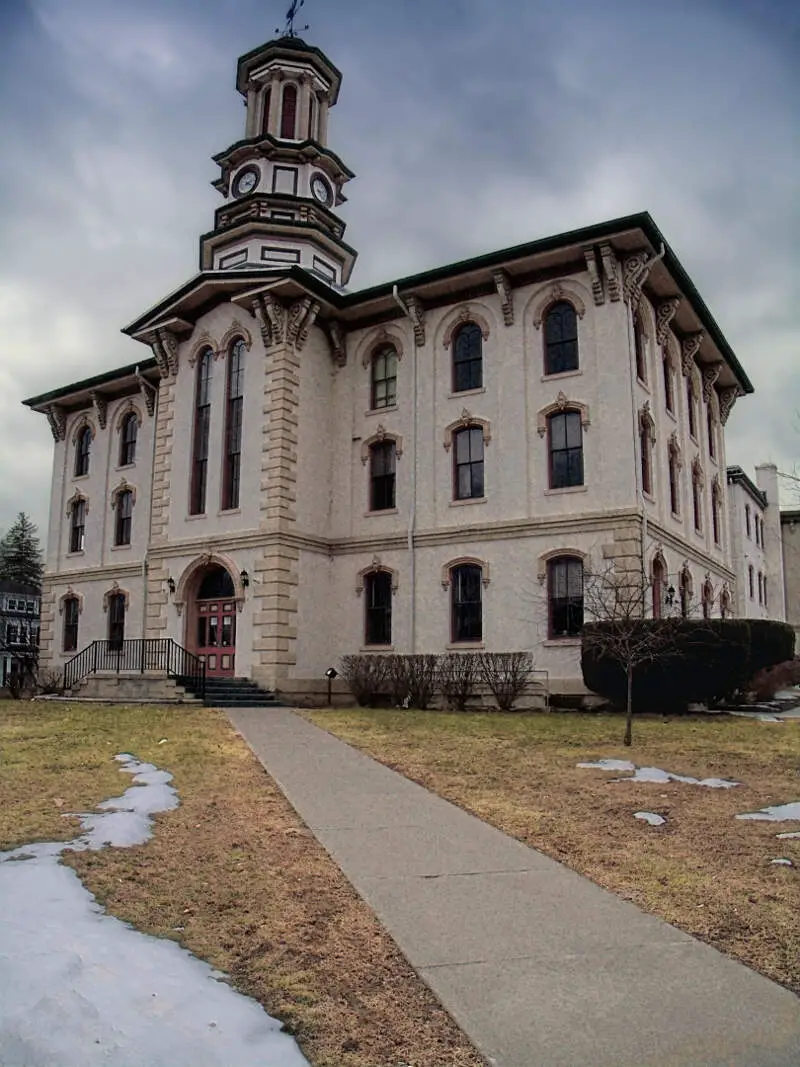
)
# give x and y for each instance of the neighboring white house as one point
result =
(298, 472)
(755, 524)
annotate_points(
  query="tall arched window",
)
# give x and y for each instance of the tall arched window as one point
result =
(697, 500)
(289, 113)
(467, 358)
(659, 581)
(639, 342)
(468, 463)
(82, 449)
(751, 581)
(312, 118)
(565, 446)
(685, 585)
(71, 609)
(560, 339)
(674, 483)
(233, 426)
(716, 514)
(669, 392)
(691, 408)
(565, 596)
(708, 598)
(77, 530)
(747, 520)
(384, 377)
(382, 464)
(712, 431)
(202, 424)
(116, 620)
(646, 442)
(124, 518)
(724, 604)
(466, 608)
(128, 434)
(267, 104)
(378, 608)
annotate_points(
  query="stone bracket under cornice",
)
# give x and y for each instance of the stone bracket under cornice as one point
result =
(100, 405)
(636, 271)
(57, 418)
(506, 293)
(416, 312)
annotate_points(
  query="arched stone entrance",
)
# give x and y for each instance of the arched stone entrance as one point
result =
(211, 620)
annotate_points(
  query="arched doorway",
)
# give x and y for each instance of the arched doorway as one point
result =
(212, 622)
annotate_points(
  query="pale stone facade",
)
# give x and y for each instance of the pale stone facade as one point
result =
(790, 546)
(303, 541)
(756, 543)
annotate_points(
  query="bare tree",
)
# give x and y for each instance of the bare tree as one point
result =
(506, 674)
(458, 674)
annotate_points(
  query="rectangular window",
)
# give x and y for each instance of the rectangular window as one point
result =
(384, 378)
(378, 621)
(323, 269)
(712, 435)
(566, 597)
(122, 527)
(235, 259)
(760, 588)
(202, 425)
(697, 506)
(747, 520)
(271, 254)
(382, 476)
(466, 607)
(566, 450)
(758, 530)
(751, 582)
(233, 428)
(116, 622)
(77, 538)
(70, 624)
(469, 463)
(12, 634)
(674, 488)
(715, 511)
(669, 398)
(690, 408)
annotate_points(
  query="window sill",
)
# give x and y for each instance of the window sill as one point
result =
(567, 489)
(676, 516)
(229, 511)
(72, 555)
(561, 375)
(194, 518)
(381, 411)
(467, 501)
(80, 477)
(383, 511)
(125, 466)
(562, 642)
(648, 497)
(460, 646)
(376, 648)
(671, 414)
(120, 548)
(642, 384)
(713, 459)
(457, 394)
(693, 439)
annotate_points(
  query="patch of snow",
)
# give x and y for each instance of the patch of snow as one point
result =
(786, 837)
(782, 863)
(777, 813)
(650, 817)
(655, 774)
(79, 988)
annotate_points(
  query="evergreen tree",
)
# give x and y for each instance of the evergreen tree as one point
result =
(20, 554)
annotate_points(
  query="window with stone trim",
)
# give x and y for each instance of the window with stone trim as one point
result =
(674, 484)
(266, 104)
(77, 529)
(724, 604)
(467, 358)
(747, 520)
(116, 620)
(289, 113)
(129, 432)
(691, 407)
(124, 518)
(561, 339)
(760, 588)
(232, 472)
(697, 503)
(716, 515)
(565, 597)
(669, 391)
(646, 456)
(708, 599)
(565, 448)
(751, 581)
(639, 347)
(468, 462)
(466, 603)
(71, 611)
(382, 476)
(765, 590)
(384, 377)
(712, 431)
(378, 608)
(659, 583)
(685, 591)
(200, 437)
(83, 448)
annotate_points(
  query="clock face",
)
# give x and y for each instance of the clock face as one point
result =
(246, 181)
(320, 189)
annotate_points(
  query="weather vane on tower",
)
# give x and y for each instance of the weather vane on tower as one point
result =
(291, 15)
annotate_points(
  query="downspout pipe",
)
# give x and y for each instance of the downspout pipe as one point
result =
(412, 517)
(146, 561)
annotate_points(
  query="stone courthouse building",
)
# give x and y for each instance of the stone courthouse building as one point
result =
(291, 471)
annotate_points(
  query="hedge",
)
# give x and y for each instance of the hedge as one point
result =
(770, 643)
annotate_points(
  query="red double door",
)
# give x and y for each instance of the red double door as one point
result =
(216, 637)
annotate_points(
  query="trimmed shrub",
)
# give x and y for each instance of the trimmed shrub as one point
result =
(365, 676)
(412, 680)
(458, 675)
(771, 643)
(506, 674)
(691, 660)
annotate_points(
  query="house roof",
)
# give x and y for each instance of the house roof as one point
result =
(22, 588)
(736, 476)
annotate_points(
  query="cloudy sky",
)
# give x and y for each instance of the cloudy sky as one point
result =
(472, 125)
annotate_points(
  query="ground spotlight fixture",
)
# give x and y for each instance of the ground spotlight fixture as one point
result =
(245, 579)
(670, 597)
(171, 584)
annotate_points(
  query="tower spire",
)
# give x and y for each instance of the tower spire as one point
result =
(291, 15)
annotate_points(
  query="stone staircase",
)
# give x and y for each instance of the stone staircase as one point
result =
(236, 693)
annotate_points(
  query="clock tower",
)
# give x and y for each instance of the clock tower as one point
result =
(281, 182)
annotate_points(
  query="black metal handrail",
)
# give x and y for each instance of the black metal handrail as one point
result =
(157, 655)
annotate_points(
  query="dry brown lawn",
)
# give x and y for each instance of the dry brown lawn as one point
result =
(233, 875)
(704, 870)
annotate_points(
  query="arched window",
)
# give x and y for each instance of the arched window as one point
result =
(712, 431)
(669, 393)
(708, 598)
(751, 581)
(129, 431)
(378, 608)
(202, 424)
(384, 377)
(382, 463)
(747, 520)
(267, 104)
(697, 501)
(231, 477)
(685, 591)
(82, 449)
(639, 343)
(312, 117)
(690, 407)
(765, 590)
(467, 358)
(289, 113)
(646, 434)
(716, 514)
(116, 620)
(674, 483)
(77, 530)
(124, 518)
(760, 588)
(659, 581)
(468, 463)
(217, 584)
(561, 339)
(466, 608)
(565, 446)
(565, 596)
(71, 609)
(724, 604)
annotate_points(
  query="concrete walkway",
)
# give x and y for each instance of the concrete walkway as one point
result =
(539, 967)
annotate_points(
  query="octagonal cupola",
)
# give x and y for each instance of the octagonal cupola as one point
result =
(281, 182)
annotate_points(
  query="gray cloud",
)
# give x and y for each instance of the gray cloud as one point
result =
(471, 126)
